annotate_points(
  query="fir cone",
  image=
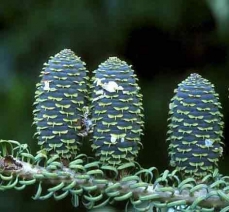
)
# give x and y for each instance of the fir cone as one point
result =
(195, 128)
(60, 98)
(116, 113)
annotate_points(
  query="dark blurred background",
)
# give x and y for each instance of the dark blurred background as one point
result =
(165, 41)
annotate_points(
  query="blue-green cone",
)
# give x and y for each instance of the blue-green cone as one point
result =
(59, 99)
(195, 128)
(116, 112)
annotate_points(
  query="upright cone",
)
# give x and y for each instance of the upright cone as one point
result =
(195, 128)
(116, 113)
(59, 99)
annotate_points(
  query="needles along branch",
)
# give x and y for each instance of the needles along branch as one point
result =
(89, 182)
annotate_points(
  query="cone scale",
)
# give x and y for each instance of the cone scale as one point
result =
(59, 99)
(195, 128)
(116, 113)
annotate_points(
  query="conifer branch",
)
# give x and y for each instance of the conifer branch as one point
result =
(187, 192)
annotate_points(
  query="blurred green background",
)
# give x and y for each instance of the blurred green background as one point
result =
(164, 40)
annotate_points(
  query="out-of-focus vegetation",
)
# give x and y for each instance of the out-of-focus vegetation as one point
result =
(164, 41)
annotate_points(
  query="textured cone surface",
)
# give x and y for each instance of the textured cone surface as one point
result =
(59, 99)
(195, 128)
(116, 112)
